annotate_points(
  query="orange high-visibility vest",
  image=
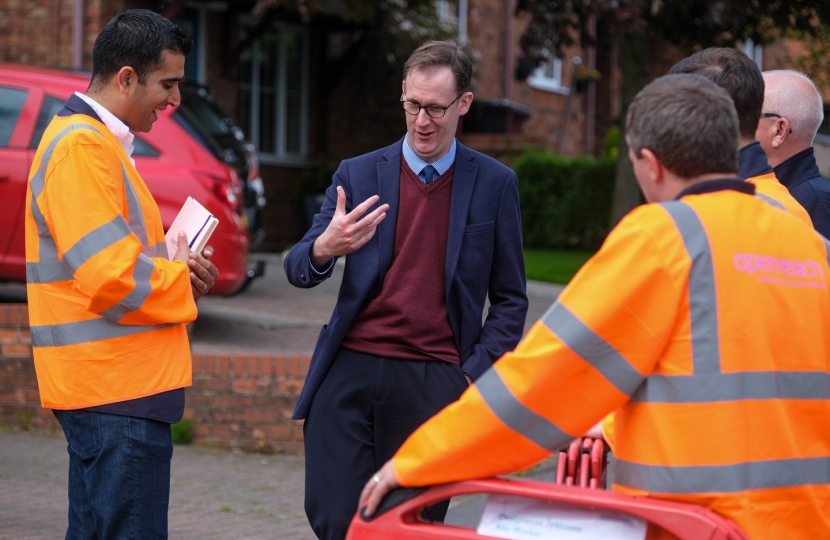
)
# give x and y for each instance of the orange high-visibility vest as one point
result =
(774, 192)
(106, 307)
(705, 323)
(768, 188)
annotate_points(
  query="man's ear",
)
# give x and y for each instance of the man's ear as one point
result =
(465, 101)
(655, 168)
(126, 79)
(781, 129)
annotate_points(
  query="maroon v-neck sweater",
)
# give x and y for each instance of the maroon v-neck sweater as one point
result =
(408, 318)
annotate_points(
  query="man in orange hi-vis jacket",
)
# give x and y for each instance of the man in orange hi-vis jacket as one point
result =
(704, 321)
(106, 307)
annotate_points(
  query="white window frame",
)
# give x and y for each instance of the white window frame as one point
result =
(281, 157)
(539, 80)
(754, 52)
(458, 19)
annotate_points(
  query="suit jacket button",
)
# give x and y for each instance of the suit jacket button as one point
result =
(302, 276)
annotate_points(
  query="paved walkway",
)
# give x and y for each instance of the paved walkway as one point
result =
(214, 493)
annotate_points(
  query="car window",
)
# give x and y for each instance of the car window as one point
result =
(142, 148)
(11, 103)
(190, 123)
(51, 106)
(197, 102)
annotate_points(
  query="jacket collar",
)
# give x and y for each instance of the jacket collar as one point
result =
(752, 161)
(75, 105)
(798, 168)
(718, 184)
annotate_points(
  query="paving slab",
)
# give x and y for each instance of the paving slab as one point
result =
(213, 493)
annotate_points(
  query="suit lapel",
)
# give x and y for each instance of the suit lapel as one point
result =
(389, 190)
(463, 182)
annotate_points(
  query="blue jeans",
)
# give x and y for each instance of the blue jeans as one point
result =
(119, 476)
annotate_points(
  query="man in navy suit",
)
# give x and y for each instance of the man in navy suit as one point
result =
(431, 228)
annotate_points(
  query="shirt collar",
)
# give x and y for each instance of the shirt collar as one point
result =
(752, 161)
(118, 128)
(718, 184)
(417, 164)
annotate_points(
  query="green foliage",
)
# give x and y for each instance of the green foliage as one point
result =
(612, 142)
(565, 202)
(554, 266)
(25, 419)
(182, 432)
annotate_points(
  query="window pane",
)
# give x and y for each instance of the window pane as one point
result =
(294, 88)
(11, 103)
(245, 82)
(268, 71)
(48, 110)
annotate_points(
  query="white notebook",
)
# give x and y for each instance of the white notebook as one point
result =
(196, 221)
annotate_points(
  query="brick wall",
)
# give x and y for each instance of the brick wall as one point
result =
(19, 399)
(246, 401)
(236, 401)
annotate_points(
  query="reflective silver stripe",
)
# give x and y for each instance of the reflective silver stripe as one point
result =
(50, 268)
(827, 247)
(593, 349)
(158, 251)
(770, 200)
(134, 207)
(718, 387)
(702, 298)
(96, 241)
(142, 272)
(516, 416)
(73, 333)
(49, 271)
(735, 478)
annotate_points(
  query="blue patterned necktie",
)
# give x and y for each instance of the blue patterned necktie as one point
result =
(429, 173)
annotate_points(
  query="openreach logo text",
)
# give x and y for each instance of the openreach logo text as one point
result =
(776, 270)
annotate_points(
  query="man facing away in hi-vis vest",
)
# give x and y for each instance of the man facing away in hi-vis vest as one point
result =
(107, 309)
(704, 321)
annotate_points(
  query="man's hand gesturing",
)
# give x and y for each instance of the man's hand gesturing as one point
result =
(347, 232)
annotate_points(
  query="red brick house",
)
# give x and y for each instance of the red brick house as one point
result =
(298, 90)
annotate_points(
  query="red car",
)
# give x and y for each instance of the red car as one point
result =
(173, 165)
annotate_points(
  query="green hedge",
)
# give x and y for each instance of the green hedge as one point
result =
(566, 202)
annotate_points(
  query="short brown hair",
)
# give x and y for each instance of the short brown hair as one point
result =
(688, 122)
(736, 73)
(436, 54)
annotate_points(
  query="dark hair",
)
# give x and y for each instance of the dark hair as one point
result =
(688, 122)
(735, 72)
(135, 38)
(435, 54)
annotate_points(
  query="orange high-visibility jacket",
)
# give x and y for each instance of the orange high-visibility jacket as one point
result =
(705, 323)
(106, 307)
(774, 192)
(768, 188)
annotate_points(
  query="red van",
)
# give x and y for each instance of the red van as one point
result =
(172, 164)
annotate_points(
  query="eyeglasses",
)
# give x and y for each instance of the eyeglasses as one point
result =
(773, 115)
(433, 111)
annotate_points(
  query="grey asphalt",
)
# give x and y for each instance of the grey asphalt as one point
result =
(214, 493)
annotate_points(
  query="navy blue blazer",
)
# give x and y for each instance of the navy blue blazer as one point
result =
(484, 257)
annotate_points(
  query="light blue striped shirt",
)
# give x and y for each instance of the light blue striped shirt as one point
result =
(417, 164)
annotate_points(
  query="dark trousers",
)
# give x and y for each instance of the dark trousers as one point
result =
(363, 412)
(119, 476)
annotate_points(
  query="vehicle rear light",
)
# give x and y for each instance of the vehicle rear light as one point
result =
(229, 193)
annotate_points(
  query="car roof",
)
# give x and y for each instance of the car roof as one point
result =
(46, 77)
